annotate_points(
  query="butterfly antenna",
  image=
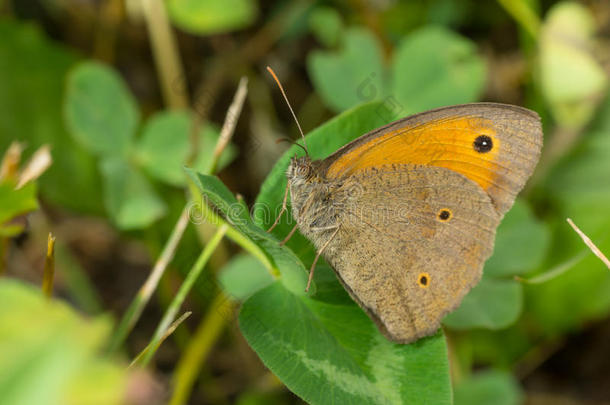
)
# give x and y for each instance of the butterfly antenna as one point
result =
(291, 141)
(290, 107)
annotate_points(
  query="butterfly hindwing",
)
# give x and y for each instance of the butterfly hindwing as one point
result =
(410, 265)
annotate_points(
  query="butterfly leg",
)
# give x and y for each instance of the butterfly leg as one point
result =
(287, 238)
(313, 265)
(284, 206)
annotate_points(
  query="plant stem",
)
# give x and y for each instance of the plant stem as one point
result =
(590, 244)
(139, 302)
(49, 267)
(165, 51)
(228, 128)
(203, 340)
(523, 13)
(167, 333)
(185, 288)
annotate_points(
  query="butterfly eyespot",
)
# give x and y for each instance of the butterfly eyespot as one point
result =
(423, 280)
(444, 215)
(483, 144)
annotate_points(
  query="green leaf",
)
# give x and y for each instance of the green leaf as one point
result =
(492, 304)
(243, 276)
(46, 345)
(325, 23)
(211, 17)
(522, 243)
(293, 273)
(434, 67)
(32, 72)
(130, 199)
(572, 79)
(333, 354)
(350, 76)
(100, 111)
(165, 145)
(16, 202)
(489, 387)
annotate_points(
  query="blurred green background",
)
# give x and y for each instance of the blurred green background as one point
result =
(125, 93)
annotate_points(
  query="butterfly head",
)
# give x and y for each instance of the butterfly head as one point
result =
(300, 169)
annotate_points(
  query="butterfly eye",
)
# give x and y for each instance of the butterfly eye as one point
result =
(444, 214)
(483, 144)
(423, 280)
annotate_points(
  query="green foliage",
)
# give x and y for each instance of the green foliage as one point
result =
(491, 387)
(163, 156)
(243, 276)
(350, 76)
(14, 203)
(565, 45)
(580, 188)
(50, 354)
(492, 304)
(419, 77)
(102, 114)
(326, 25)
(211, 17)
(129, 197)
(280, 260)
(328, 353)
(32, 71)
(425, 77)
(320, 344)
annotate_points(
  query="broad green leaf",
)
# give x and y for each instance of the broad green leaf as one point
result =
(434, 67)
(293, 273)
(585, 201)
(521, 244)
(572, 79)
(100, 111)
(333, 354)
(321, 142)
(211, 17)
(492, 304)
(50, 354)
(243, 276)
(488, 387)
(32, 72)
(350, 76)
(165, 145)
(130, 199)
(16, 202)
(325, 23)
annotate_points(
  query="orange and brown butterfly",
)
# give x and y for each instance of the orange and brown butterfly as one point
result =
(406, 214)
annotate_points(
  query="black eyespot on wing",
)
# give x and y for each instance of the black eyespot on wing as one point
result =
(444, 214)
(423, 280)
(483, 144)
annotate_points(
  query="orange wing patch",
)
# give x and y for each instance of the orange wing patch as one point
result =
(466, 145)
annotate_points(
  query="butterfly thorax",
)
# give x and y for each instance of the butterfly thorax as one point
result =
(313, 198)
